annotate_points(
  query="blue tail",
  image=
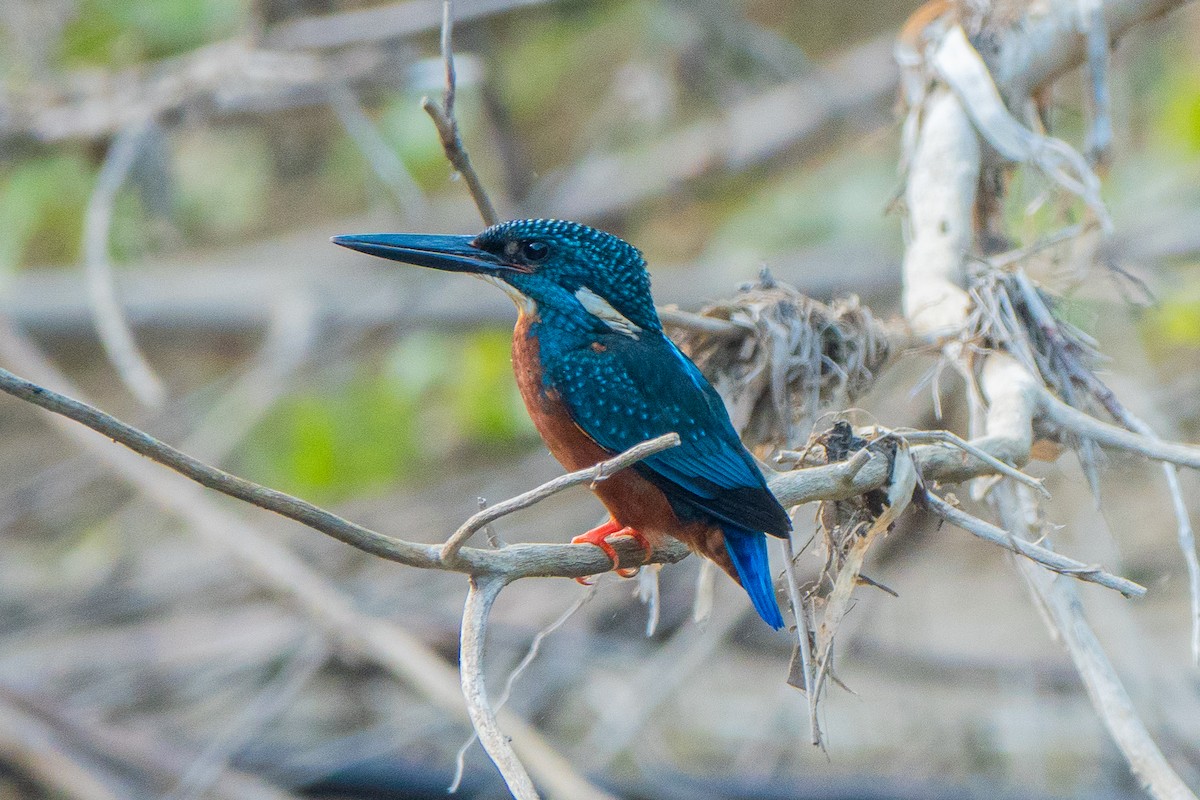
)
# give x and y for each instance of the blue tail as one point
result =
(749, 553)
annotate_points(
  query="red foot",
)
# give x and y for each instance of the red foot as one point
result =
(599, 537)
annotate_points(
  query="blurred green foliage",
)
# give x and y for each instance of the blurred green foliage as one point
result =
(1180, 123)
(1174, 322)
(437, 396)
(405, 125)
(42, 203)
(120, 33)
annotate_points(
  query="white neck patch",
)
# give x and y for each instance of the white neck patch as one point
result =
(600, 308)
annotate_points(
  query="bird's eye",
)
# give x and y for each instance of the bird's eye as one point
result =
(534, 251)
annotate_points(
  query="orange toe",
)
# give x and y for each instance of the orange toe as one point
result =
(599, 536)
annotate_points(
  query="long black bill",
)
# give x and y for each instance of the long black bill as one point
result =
(452, 253)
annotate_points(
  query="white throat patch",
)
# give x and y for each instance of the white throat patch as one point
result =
(600, 308)
(523, 302)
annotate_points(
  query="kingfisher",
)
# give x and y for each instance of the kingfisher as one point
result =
(598, 376)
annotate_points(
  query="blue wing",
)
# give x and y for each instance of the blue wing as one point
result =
(634, 390)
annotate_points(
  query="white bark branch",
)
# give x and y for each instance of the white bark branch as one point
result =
(1041, 45)
(940, 197)
(1047, 42)
(480, 597)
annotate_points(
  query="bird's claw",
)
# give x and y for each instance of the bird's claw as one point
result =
(599, 537)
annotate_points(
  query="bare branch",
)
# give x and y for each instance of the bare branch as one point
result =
(592, 475)
(535, 647)
(959, 64)
(516, 561)
(902, 481)
(447, 125)
(213, 478)
(1046, 42)
(957, 441)
(808, 683)
(482, 594)
(1106, 435)
(1040, 45)
(940, 197)
(1047, 558)
(512, 562)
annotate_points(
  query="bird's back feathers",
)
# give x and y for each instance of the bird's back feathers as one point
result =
(621, 391)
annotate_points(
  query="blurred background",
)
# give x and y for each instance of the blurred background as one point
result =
(155, 642)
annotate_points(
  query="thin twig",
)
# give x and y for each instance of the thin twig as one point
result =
(1187, 545)
(494, 539)
(592, 475)
(447, 124)
(1047, 558)
(803, 640)
(674, 318)
(111, 326)
(1010, 257)
(636, 702)
(957, 441)
(482, 594)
